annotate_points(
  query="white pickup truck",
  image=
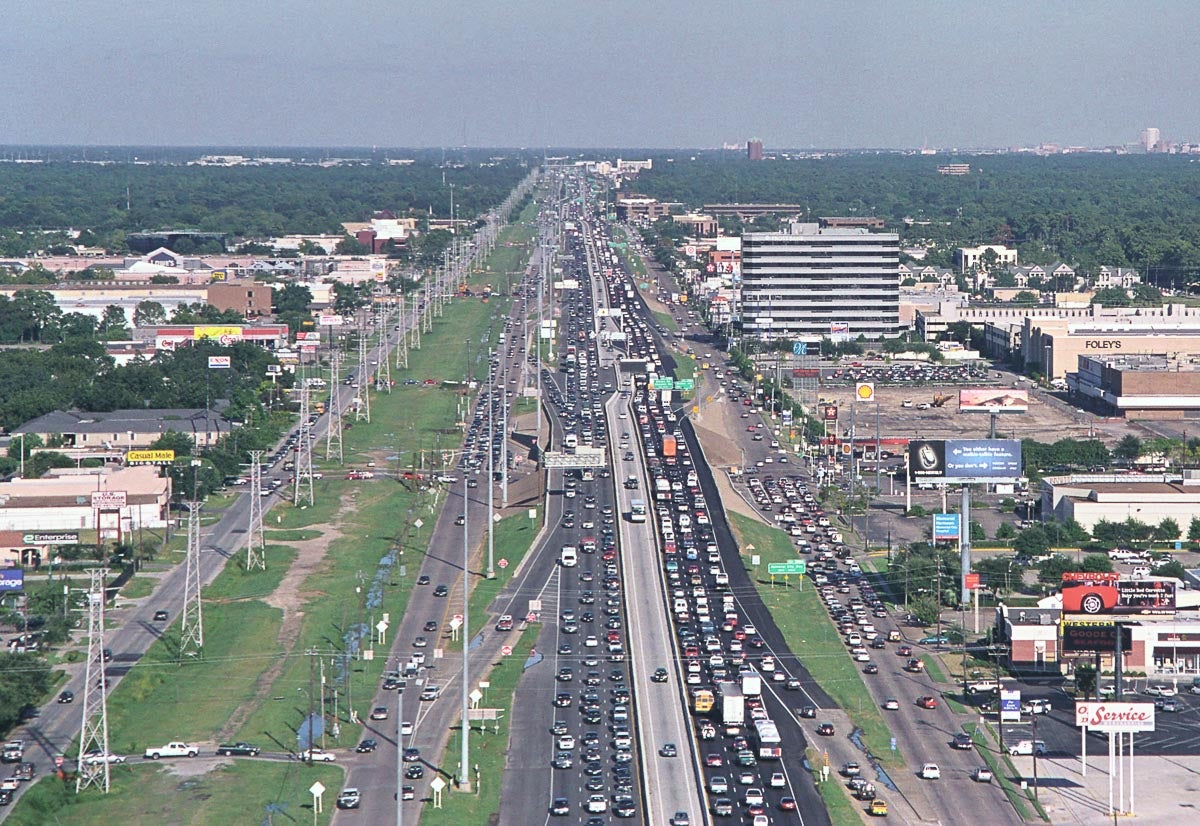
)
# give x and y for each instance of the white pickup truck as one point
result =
(173, 749)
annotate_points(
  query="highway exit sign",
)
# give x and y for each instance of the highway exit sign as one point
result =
(792, 566)
(685, 384)
(664, 384)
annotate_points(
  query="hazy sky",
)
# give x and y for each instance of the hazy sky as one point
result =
(650, 73)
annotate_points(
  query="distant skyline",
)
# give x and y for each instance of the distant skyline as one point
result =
(665, 74)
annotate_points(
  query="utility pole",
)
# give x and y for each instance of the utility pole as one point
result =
(383, 373)
(93, 727)
(491, 482)
(302, 490)
(402, 339)
(363, 411)
(309, 722)
(503, 449)
(256, 543)
(333, 433)
(464, 783)
(400, 757)
(191, 634)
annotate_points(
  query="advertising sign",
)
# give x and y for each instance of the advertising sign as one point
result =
(829, 413)
(992, 400)
(964, 460)
(1122, 717)
(1010, 706)
(799, 348)
(329, 320)
(109, 499)
(12, 579)
(786, 417)
(1106, 593)
(1081, 637)
(973, 581)
(312, 337)
(223, 334)
(864, 391)
(51, 538)
(945, 526)
(149, 457)
(220, 362)
(806, 373)
(839, 328)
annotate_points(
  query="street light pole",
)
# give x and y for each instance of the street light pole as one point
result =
(466, 682)
(491, 487)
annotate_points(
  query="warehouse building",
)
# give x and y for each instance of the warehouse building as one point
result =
(1146, 497)
(1139, 386)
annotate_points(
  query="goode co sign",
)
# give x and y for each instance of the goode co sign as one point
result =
(1115, 716)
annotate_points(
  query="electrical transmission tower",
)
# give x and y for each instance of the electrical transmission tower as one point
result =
(383, 371)
(364, 391)
(303, 488)
(402, 339)
(333, 433)
(256, 543)
(191, 637)
(415, 329)
(93, 730)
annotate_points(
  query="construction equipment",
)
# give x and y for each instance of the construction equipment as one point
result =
(940, 399)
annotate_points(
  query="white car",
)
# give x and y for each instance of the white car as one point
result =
(95, 758)
(317, 756)
(754, 797)
(597, 803)
(1160, 690)
(778, 781)
(930, 771)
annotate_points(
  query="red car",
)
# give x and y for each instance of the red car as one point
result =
(787, 804)
(714, 760)
(927, 702)
(904, 651)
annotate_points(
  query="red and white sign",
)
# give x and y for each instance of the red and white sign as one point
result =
(220, 362)
(109, 499)
(503, 564)
(531, 617)
(972, 582)
(1104, 716)
(326, 320)
(458, 617)
(506, 650)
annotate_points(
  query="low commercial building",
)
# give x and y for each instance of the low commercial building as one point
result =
(249, 299)
(1053, 345)
(1139, 386)
(270, 336)
(112, 432)
(36, 514)
(969, 259)
(1146, 497)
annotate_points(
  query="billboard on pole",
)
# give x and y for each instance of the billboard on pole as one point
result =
(992, 400)
(1106, 593)
(952, 461)
(1090, 637)
(1122, 717)
(945, 526)
(12, 579)
(1010, 706)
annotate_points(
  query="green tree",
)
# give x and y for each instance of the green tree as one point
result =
(978, 534)
(1128, 449)
(24, 680)
(925, 608)
(148, 314)
(1005, 531)
(1194, 530)
(1032, 541)
(1085, 680)
(1050, 571)
(1002, 573)
(1097, 564)
(1167, 531)
(181, 443)
(1172, 568)
(112, 323)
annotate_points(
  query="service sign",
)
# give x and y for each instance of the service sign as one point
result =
(329, 320)
(1120, 717)
(829, 413)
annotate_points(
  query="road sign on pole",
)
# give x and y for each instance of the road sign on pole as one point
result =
(792, 566)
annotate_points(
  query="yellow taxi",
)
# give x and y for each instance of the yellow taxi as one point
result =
(878, 808)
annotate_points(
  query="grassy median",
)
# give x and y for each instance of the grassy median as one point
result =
(806, 628)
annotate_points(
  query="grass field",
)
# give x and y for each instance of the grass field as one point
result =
(138, 587)
(805, 625)
(837, 799)
(151, 795)
(486, 749)
(514, 535)
(667, 320)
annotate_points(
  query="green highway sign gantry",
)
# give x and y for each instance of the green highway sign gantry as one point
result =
(792, 566)
(664, 384)
(685, 384)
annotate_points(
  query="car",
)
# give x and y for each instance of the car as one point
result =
(423, 579)
(714, 760)
(930, 771)
(317, 756)
(808, 712)
(349, 799)
(431, 626)
(982, 775)
(1167, 704)
(415, 771)
(891, 704)
(66, 697)
(160, 615)
(825, 729)
(441, 591)
(367, 746)
(379, 713)
(935, 640)
(659, 675)
(406, 727)
(904, 651)
(1160, 690)
(96, 757)
(412, 755)
(877, 808)
(787, 804)
(430, 693)
(778, 780)
(408, 792)
(962, 740)
(851, 768)
(1037, 706)
(238, 749)
(681, 818)
(870, 668)
(668, 750)
(560, 807)
(927, 702)
(596, 803)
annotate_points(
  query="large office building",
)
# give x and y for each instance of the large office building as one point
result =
(815, 281)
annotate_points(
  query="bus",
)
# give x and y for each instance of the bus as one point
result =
(702, 701)
(769, 744)
(637, 510)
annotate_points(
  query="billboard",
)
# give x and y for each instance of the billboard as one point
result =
(220, 362)
(149, 457)
(12, 579)
(1010, 706)
(945, 526)
(223, 334)
(1122, 717)
(1106, 593)
(329, 320)
(839, 328)
(992, 400)
(964, 460)
(829, 412)
(1083, 637)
